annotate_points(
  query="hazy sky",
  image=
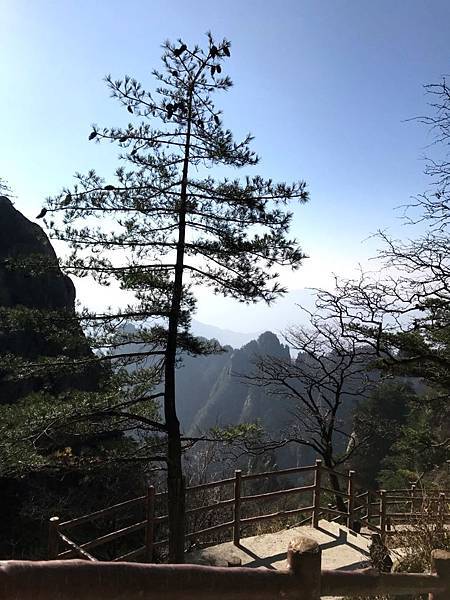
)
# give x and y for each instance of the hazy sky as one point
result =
(326, 87)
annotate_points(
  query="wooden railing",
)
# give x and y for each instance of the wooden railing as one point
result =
(233, 495)
(302, 580)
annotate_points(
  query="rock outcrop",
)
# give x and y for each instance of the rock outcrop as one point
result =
(22, 239)
(37, 309)
(234, 399)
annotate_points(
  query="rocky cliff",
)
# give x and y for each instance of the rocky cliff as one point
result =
(233, 399)
(37, 309)
(20, 239)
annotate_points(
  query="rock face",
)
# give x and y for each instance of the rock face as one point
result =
(195, 379)
(20, 238)
(40, 290)
(233, 400)
(213, 391)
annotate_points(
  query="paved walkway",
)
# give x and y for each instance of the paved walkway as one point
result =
(341, 549)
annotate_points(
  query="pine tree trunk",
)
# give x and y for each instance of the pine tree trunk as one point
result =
(175, 481)
(175, 484)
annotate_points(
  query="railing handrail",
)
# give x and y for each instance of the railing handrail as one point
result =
(290, 471)
(352, 513)
(101, 513)
(304, 579)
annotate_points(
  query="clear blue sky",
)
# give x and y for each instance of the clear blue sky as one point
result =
(325, 86)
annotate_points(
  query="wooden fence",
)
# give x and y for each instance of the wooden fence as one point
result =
(302, 580)
(378, 511)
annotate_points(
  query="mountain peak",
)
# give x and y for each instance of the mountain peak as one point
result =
(226, 337)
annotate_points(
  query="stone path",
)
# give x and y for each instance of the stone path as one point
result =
(341, 549)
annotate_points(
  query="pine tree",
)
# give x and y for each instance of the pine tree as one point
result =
(164, 225)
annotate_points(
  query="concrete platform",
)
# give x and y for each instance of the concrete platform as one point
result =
(341, 549)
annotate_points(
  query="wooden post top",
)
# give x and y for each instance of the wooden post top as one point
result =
(440, 564)
(305, 545)
(300, 549)
(441, 557)
(304, 559)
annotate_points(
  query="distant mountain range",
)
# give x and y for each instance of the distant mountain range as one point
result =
(213, 390)
(226, 337)
(217, 390)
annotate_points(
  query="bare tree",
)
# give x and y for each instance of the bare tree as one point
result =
(398, 308)
(433, 206)
(324, 382)
(402, 311)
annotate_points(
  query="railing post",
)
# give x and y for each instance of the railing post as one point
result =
(237, 507)
(413, 491)
(440, 564)
(369, 506)
(442, 510)
(351, 499)
(304, 561)
(149, 528)
(53, 538)
(383, 514)
(316, 493)
(442, 503)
